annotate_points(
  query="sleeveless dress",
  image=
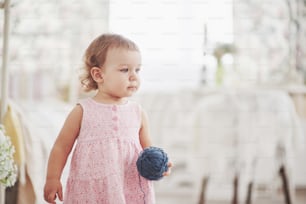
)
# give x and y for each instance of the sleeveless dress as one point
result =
(103, 165)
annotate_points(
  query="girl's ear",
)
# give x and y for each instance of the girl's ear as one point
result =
(96, 74)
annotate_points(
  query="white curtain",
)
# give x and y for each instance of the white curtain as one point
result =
(171, 36)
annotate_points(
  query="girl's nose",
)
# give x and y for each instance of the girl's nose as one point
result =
(133, 75)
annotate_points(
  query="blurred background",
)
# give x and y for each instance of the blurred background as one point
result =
(223, 83)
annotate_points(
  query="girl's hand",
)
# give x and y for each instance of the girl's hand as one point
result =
(167, 173)
(53, 188)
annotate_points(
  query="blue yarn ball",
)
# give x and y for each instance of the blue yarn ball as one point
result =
(152, 163)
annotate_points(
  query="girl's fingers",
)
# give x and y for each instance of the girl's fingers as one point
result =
(168, 172)
(51, 198)
(60, 194)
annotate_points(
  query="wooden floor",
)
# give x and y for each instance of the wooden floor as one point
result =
(276, 199)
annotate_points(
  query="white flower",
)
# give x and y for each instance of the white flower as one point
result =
(8, 168)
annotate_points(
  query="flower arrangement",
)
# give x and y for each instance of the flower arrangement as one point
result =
(8, 168)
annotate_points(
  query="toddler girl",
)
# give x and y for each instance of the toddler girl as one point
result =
(109, 129)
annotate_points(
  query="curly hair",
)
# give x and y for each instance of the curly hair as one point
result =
(95, 55)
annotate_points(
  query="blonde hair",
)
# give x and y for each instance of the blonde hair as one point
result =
(95, 55)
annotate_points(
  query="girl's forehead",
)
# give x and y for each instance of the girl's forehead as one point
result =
(123, 55)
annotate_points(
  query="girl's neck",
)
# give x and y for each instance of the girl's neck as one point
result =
(107, 99)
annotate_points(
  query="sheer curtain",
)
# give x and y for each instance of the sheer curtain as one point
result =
(171, 36)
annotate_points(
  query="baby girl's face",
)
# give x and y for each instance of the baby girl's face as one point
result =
(120, 72)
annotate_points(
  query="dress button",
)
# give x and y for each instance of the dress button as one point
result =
(114, 108)
(115, 128)
(115, 118)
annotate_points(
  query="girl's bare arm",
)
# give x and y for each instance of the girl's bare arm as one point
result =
(59, 154)
(145, 139)
(144, 134)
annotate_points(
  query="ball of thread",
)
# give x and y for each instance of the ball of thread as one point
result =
(152, 163)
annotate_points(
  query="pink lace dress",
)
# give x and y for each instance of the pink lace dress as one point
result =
(103, 166)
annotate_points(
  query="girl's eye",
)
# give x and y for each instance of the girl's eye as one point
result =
(124, 70)
(137, 70)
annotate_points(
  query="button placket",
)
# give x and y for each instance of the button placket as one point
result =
(114, 118)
